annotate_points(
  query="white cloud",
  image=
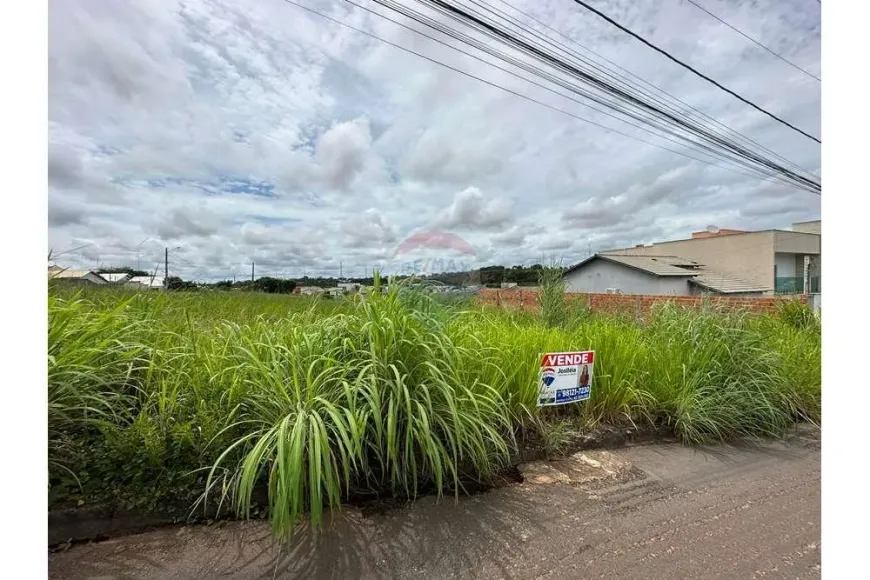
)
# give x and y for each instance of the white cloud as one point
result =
(512, 237)
(472, 210)
(344, 152)
(251, 130)
(368, 228)
(605, 211)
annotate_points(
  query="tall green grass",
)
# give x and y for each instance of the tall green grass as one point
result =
(551, 295)
(379, 399)
(220, 395)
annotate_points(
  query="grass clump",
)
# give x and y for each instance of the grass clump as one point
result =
(223, 396)
(551, 295)
(376, 400)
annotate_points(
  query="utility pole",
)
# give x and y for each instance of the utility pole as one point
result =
(166, 267)
(252, 271)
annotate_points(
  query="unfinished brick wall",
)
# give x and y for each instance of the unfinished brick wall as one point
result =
(630, 304)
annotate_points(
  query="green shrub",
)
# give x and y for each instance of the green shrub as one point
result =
(799, 315)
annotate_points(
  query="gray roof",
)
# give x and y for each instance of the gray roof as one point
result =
(116, 277)
(655, 265)
(725, 284)
(69, 273)
(676, 266)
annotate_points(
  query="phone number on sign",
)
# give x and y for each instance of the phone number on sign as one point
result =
(569, 394)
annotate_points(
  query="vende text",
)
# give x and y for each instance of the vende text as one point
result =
(568, 358)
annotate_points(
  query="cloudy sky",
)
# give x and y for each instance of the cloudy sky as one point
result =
(251, 130)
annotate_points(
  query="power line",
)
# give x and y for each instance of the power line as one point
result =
(730, 148)
(664, 94)
(551, 78)
(495, 85)
(636, 114)
(749, 38)
(620, 92)
(610, 75)
(695, 71)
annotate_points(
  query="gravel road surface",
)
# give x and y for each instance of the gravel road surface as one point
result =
(652, 511)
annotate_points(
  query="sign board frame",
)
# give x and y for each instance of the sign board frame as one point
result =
(565, 377)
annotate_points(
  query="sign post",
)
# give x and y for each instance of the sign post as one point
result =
(565, 377)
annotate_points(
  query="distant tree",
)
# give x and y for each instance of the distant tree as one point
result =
(492, 276)
(274, 285)
(123, 270)
(176, 283)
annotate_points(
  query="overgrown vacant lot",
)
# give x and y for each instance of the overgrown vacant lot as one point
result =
(162, 397)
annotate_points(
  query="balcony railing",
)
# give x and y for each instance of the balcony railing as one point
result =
(795, 285)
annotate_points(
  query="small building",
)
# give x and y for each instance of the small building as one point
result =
(335, 292)
(145, 282)
(653, 274)
(776, 260)
(349, 287)
(75, 276)
(308, 290)
(116, 277)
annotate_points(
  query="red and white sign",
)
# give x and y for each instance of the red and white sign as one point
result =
(565, 377)
(568, 358)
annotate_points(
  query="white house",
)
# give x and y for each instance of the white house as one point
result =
(88, 276)
(145, 282)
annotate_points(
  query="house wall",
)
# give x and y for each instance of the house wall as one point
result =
(816, 266)
(747, 256)
(599, 275)
(814, 227)
(786, 265)
(798, 243)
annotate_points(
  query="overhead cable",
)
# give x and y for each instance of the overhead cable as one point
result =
(659, 120)
(498, 33)
(695, 71)
(752, 40)
(642, 84)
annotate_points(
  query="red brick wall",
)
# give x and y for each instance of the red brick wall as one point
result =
(634, 304)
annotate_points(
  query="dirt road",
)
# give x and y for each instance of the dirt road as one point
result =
(659, 511)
